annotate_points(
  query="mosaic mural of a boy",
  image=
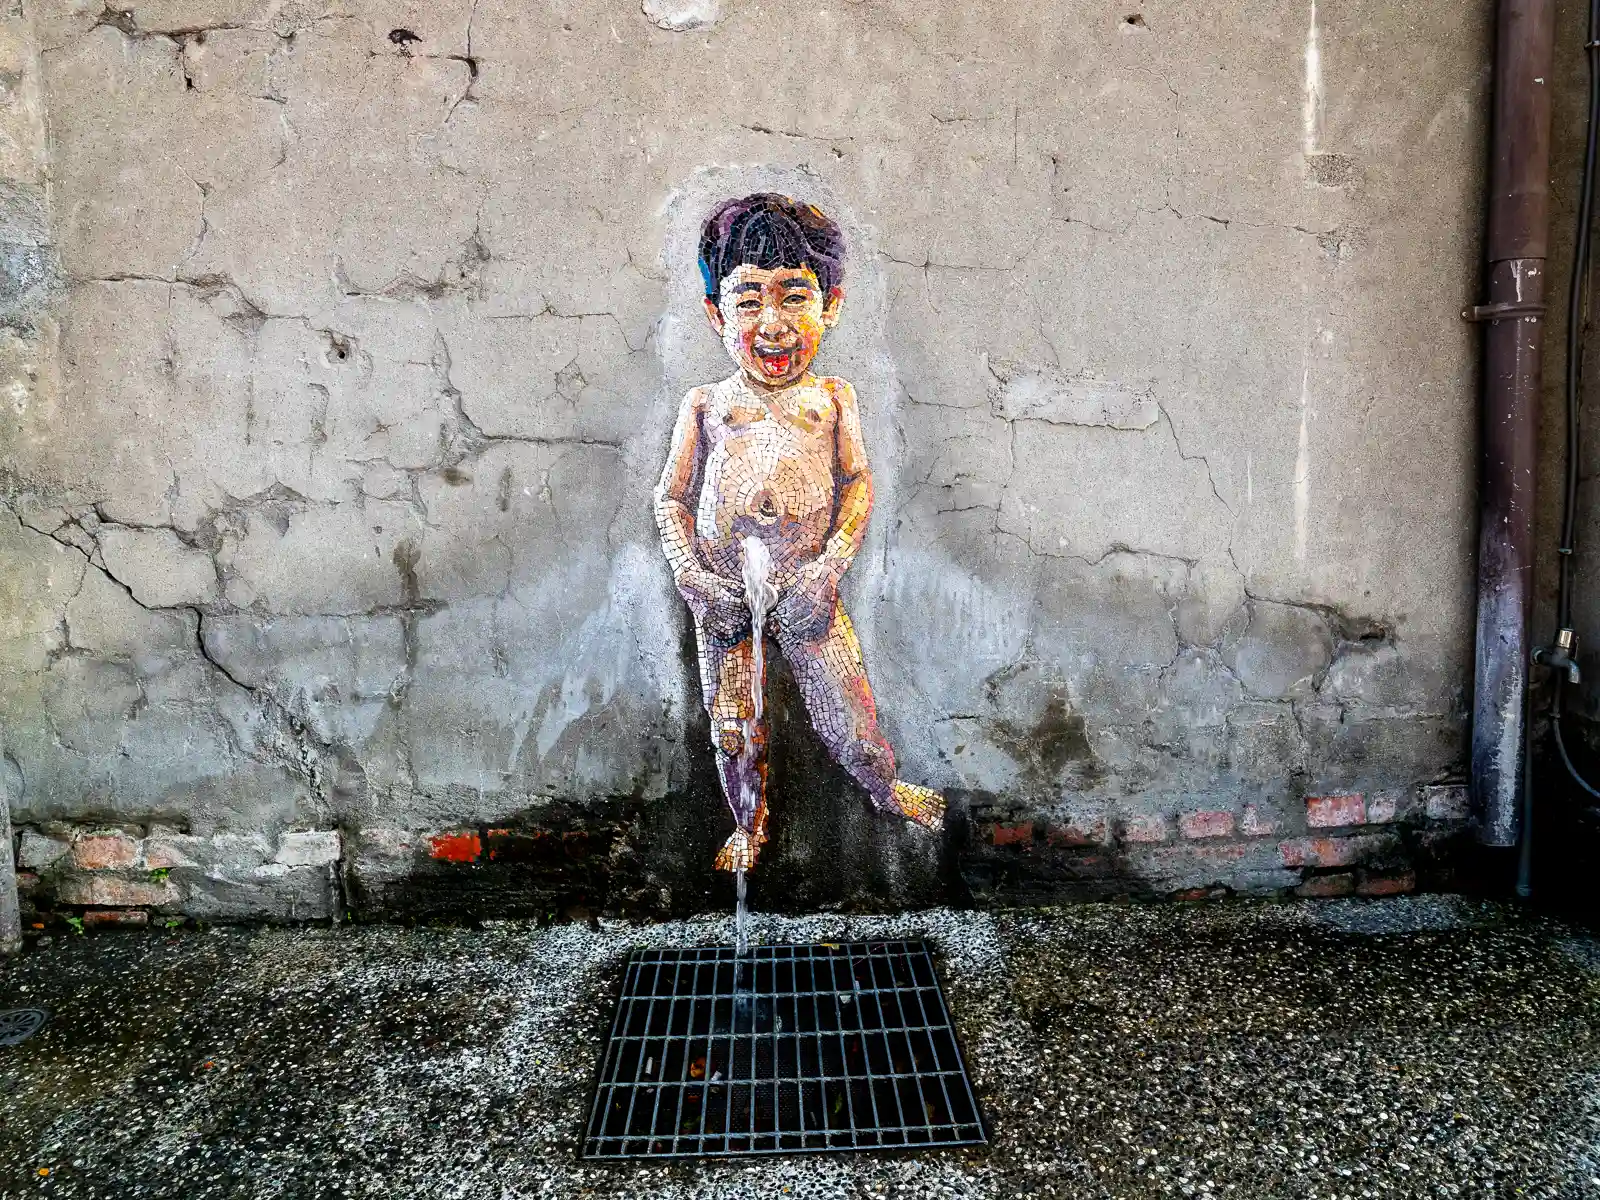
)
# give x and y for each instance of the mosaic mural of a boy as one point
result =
(763, 505)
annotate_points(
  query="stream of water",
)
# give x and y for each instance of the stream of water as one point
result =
(760, 595)
(741, 917)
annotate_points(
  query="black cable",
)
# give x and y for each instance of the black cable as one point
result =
(1561, 746)
(1575, 317)
(1575, 296)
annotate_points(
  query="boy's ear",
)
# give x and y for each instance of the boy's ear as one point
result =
(830, 306)
(714, 315)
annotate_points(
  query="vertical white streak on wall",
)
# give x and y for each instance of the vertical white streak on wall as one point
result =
(1312, 112)
(1302, 466)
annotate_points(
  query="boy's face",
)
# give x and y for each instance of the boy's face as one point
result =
(771, 322)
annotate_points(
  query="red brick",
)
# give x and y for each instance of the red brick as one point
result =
(1331, 852)
(1327, 812)
(1325, 886)
(26, 881)
(116, 918)
(1393, 883)
(461, 846)
(1257, 823)
(1146, 827)
(1200, 893)
(1206, 824)
(104, 850)
(1078, 831)
(1020, 834)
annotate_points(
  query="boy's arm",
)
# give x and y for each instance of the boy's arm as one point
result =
(855, 475)
(674, 514)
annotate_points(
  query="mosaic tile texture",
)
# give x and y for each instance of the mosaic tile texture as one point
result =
(773, 456)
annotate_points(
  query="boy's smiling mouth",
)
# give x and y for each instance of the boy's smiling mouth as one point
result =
(774, 360)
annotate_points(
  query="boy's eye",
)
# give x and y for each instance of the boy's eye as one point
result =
(749, 306)
(795, 299)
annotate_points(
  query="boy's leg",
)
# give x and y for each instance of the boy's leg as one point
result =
(739, 744)
(832, 676)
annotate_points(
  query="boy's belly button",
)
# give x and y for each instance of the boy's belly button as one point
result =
(764, 507)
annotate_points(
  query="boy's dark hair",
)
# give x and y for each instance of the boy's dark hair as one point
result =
(768, 230)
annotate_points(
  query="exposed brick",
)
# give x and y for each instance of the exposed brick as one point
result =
(104, 850)
(162, 853)
(1325, 886)
(1019, 834)
(26, 881)
(1146, 827)
(462, 846)
(1327, 812)
(1200, 893)
(116, 918)
(38, 851)
(1391, 883)
(1257, 823)
(539, 846)
(1384, 808)
(1179, 865)
(1446, 803)
(1263, 881)
(1206, 824)
(110, 891)
(1333, 852)
(388, 843)
(1078, 831)
(312, 848)
(1090, 866)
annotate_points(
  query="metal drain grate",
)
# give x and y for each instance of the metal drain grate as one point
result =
(789, 1049)
(17, 1025)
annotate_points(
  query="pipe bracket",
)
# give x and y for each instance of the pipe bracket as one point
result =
(1503, 310)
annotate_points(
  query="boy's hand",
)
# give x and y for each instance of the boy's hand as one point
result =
(717, 602)
(807, 609)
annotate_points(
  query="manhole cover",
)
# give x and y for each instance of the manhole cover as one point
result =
(791, 1048)
(17, 1025)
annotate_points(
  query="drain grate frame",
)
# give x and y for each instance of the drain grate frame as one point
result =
(17, 1025)
(791, 1049)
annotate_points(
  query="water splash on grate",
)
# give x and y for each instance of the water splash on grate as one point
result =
(787, 1049)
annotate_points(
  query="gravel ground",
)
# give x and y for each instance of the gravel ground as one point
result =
(1409, 1047)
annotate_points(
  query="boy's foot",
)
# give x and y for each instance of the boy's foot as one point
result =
(740, 851)
(917, 803)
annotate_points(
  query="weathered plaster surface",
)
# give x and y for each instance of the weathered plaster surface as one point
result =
(342, 341)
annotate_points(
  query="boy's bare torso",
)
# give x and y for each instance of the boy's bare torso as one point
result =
(768, 472)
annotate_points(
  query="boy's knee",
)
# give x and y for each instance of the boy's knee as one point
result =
(730, 736)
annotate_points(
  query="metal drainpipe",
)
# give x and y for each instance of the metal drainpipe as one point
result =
(10, 916)
(1519, 225)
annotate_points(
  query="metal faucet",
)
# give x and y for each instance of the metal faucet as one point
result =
(1560, 656)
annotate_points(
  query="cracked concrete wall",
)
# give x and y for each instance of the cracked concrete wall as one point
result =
(343, 340)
